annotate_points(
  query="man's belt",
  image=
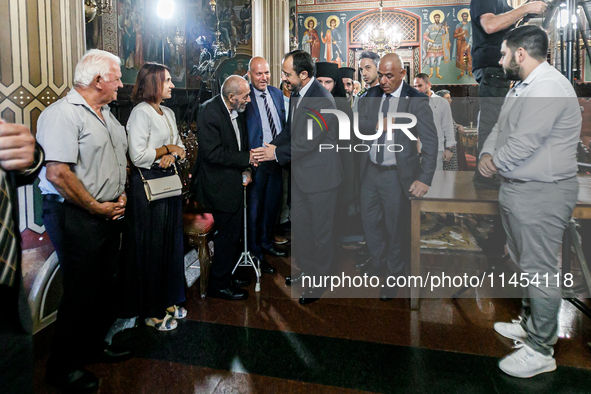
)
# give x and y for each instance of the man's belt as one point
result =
(510, 180)
(384, 168)
(519, 181)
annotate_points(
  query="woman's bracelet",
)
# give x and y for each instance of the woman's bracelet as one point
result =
(167, 150)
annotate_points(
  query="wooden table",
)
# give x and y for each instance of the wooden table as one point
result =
(454, 191)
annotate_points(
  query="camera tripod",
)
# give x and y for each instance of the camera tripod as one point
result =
(565, 33)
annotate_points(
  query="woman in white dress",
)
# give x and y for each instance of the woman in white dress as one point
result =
(154, 264)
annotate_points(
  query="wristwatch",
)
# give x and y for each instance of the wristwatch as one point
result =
(176, 157)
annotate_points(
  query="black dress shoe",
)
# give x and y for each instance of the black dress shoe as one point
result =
(230, 293)
(114, 354)
(78, 381)
(294, 278)
(373, 271)
(267, 268)
(362, 266)
(280, 240)
(240, 282)
(274, 252)
(311, 295)
(388, 293)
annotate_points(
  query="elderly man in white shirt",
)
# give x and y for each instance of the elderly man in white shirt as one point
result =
(442, 118)
(533, 148)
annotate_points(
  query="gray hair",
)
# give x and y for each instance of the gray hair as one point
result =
(94, 62)
(370, 55)
(232, 85)
(442, 92)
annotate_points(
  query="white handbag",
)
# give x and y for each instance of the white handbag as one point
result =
(167, 186)
(159, 188)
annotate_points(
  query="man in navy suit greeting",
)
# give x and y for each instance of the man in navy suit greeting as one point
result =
(315, 174)
(389, 177)
(265, 120)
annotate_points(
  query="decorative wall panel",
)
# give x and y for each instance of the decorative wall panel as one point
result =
(40, 41)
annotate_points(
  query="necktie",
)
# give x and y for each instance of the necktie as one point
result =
(293, 103)
(297, 97)
(382, 139)
(8, 246)
(269, 116)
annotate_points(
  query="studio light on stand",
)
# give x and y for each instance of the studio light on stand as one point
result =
(211, 54)
(164, 10)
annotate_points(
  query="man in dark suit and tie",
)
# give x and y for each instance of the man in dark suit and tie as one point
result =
(20, 161)
(388, 178)
(316, 174)
(222, 162)
(265, 120)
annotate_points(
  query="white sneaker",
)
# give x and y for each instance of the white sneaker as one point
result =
(526, 362)
(511, 330)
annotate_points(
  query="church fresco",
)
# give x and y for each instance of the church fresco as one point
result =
(447, 58)
(137, 34)
(446, 45)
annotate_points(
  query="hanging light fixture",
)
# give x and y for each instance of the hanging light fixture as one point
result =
(97, 7)
(382, 39)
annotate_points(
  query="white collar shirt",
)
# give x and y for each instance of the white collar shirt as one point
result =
(536, 136)
(233, 117)
(443, 120)
(260, 102)
(71, 132)
(389, 154)
(304, 90)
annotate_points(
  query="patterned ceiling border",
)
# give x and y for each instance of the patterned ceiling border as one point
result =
(327, 7)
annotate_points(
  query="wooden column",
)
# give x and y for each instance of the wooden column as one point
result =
(270, 33)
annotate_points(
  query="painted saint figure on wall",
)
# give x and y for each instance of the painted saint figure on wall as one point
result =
(311, 41)
(246, 18)
(139, 45)
(333, 41)
(435, 44)
(463, 43)
(128, 38)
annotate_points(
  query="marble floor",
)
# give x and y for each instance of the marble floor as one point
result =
(271, 344)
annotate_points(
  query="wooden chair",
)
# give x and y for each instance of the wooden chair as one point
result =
(197, 227)
(197, 223)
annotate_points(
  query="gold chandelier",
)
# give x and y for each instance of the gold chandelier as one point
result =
(93, 8)
(383, 39)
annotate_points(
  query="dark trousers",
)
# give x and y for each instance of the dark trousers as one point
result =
(312, 219)
(264, 200)
(385, 214)
(492, 89)
(88, 250)
(226, 239)
(16, 361)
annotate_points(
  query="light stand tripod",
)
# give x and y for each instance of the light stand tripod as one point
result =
(246, 259)
(567, 31)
